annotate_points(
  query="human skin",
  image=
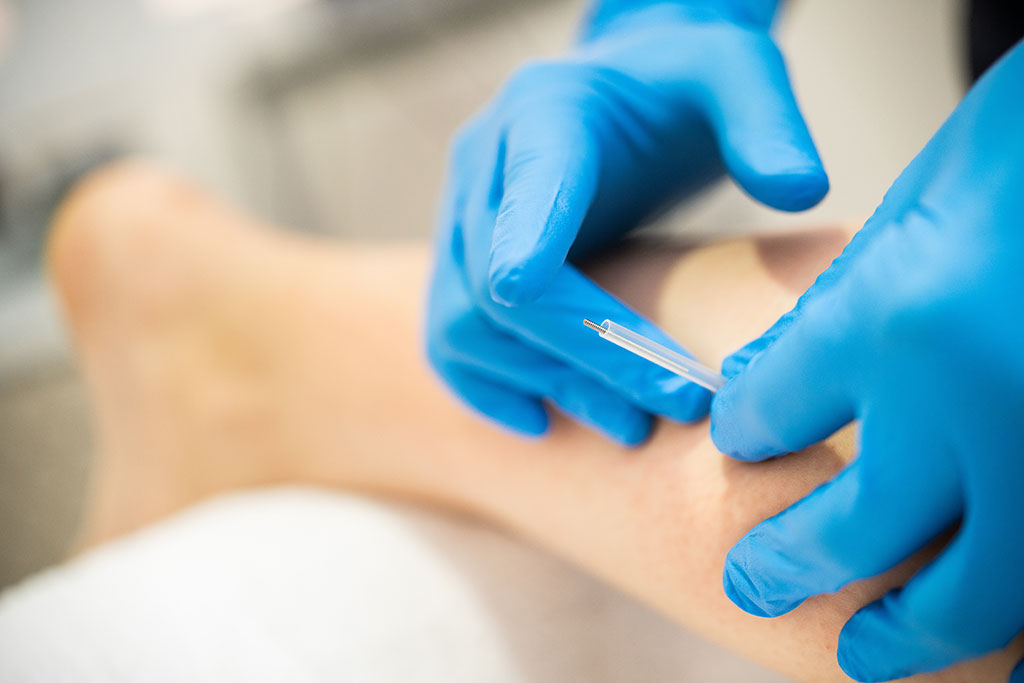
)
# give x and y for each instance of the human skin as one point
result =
(221, 354)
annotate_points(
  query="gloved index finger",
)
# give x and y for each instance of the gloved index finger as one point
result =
(554, 323)
(794, 393)
(550, 176)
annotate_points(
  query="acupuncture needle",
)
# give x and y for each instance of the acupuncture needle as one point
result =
(656, 353)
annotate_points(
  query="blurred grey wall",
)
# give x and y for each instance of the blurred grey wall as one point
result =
(874, 78)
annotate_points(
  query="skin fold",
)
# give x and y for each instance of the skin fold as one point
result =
(220, 354)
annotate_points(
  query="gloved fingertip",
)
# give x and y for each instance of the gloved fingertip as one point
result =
(723, 429)
(852, 665)
(530, 422)
(875, 647)
(1017, 675)
(511, 285)
(667, 394)
(734, 436)
(739, 359)
(850, 653)
(734, 364)
(693, 405)
(739, 589)
(604, 410)
(726, 433)
(516, 412)
(750, 581)
(795, 189)
(633, 431)
(531, 428)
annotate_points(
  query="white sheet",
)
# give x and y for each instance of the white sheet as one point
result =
(303, 585)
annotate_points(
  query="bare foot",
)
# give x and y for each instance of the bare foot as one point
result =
(167, 320)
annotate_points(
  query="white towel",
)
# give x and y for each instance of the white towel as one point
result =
(304, 585)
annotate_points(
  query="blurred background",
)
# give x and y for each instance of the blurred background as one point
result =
(333, 116)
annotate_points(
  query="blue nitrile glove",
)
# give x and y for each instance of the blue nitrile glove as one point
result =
(917, 331)
(571, 154)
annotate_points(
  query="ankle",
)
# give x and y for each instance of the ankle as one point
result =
(176, 348)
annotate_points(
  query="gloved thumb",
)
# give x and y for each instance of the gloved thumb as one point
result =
(760, 131)
(551, 169)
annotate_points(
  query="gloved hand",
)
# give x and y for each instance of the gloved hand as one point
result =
(917, 331)
(571, 154)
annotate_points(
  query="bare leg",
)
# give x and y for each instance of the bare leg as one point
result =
(219, 355)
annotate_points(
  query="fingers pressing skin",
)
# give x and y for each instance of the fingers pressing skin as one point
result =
(787, 398)
(964, 604)
(866, 520)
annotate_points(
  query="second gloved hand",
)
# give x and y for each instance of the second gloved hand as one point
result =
(917, 331)
(570, 155)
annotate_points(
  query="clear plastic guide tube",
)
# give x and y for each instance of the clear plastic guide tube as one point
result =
(658, 354)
